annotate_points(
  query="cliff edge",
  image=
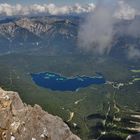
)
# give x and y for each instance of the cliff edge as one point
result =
(19, 121)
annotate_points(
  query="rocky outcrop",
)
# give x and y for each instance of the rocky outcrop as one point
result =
(19, 121)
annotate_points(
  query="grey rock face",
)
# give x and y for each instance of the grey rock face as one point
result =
(23, 122)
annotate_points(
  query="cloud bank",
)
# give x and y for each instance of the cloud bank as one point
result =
(127, 9)
(52, 9)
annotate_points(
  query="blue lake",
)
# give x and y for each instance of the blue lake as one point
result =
(57, 82)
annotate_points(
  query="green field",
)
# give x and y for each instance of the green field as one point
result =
(136, 71)
(89, 112)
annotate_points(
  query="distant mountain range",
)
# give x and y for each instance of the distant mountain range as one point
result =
(34, 33)
(53, 35)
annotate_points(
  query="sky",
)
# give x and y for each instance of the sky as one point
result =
(57, 2)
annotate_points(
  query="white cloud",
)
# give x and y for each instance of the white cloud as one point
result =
(133, 3)
(125, 11)
(133, 53)
(96, 33)
(52, 9)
